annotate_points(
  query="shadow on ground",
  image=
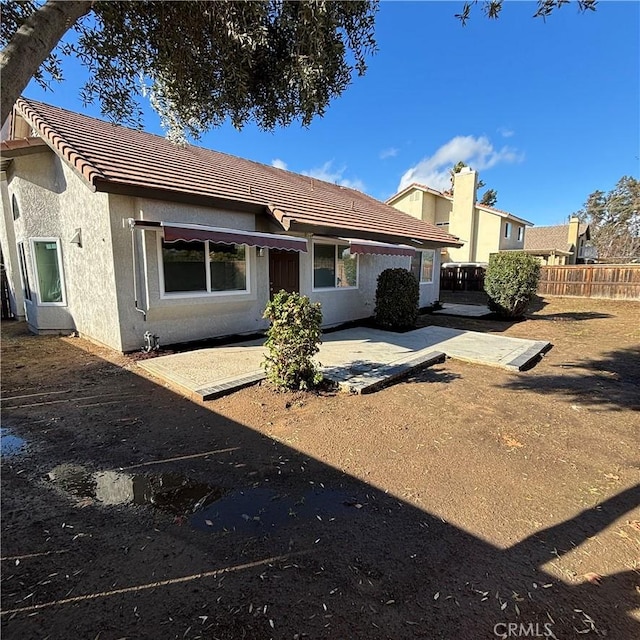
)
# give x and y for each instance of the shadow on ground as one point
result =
(363, 565)
(610, 382)
(577, 316)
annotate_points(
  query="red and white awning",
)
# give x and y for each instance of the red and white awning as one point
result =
(174, 232)
(379, 248)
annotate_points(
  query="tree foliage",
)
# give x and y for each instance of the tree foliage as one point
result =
(544, 8)
(614, 220)
(489, 198)
(510, 282)
(292, 340)
(200, 62)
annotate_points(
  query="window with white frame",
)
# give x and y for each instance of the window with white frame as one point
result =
(507, 229)
(334, 267)
(520, 234)
(201, 266)
(422, 265)
(48, 271)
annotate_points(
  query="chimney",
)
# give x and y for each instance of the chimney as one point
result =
(572, 239)
(461, 222)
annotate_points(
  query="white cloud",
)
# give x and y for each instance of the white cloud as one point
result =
(478, 153)
(391, 152)
(505, 132)
(279, 164)
(327, 173)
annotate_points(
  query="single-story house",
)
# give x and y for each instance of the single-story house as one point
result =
(561, 244)
(482, 229)
(113, 233)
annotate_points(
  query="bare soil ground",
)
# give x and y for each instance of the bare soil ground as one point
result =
(446, 506)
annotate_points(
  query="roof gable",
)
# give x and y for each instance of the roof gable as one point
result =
(114, 158)
(449, 196)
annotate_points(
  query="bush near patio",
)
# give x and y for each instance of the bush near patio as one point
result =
(510, 282)
(397, 298)
(292, 340)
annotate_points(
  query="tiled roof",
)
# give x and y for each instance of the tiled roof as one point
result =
(108, 157)
(554, 237)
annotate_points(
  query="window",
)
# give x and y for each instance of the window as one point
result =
(14, 207)
(422, 265)
(520, 234)
(507, 229)
(334, 267)
(228, 267)
(48, 269)
(203, 267)
(24, 274)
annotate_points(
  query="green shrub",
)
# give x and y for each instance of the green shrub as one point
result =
(292, 340)
(510, 282)
(397, 298)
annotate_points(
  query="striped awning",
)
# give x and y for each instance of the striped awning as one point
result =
(174, 232)
(379, 248)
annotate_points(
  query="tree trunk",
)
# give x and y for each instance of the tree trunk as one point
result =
(32, 44)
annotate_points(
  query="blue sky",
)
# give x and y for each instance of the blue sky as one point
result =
(546, 111)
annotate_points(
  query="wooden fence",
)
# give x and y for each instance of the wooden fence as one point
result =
(613, 281)
(462, 278)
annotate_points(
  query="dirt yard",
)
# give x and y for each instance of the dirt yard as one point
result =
(451, 505)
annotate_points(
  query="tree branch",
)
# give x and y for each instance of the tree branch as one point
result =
(32, 44)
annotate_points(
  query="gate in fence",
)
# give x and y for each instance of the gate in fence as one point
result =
(462, 278)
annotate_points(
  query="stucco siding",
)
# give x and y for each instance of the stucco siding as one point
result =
(10, 252)
(511, 243)
(410, 203)
(442, 210)
(428, 207)
(488, 235)
(89, 268)
(179, 318)
(55, 203)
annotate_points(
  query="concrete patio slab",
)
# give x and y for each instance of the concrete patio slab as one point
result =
(358, 359)
(463, 310)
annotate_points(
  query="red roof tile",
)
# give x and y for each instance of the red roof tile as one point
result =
(109, 156)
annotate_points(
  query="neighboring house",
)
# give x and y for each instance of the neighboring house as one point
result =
(113, 233)
(483, 230)
(560, 244)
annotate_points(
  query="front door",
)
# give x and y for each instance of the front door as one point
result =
(284, 271)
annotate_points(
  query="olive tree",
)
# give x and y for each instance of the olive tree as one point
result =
(544, 8)
(199, 62)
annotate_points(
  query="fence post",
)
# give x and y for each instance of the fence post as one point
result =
(589, 281)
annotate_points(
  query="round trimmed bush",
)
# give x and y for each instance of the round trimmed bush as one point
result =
(510, 282)
(397, 298)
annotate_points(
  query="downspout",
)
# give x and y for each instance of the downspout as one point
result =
(134, 257)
